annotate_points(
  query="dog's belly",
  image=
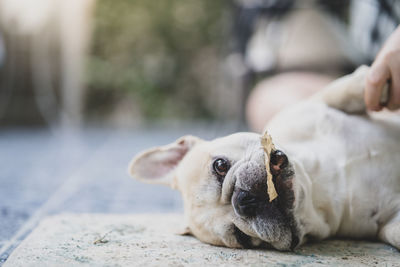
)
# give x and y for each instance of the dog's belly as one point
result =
(352, 161)
(358, 196)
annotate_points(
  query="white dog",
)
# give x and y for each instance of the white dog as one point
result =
(337, 173)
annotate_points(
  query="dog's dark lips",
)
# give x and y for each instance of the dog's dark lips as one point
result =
(285, 201)
(295, 239)
(243, 239)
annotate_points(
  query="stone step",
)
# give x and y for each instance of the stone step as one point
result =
(149, 240)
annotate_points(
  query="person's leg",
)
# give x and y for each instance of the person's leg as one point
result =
(273, 94)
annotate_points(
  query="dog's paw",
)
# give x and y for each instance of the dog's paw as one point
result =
(390, 232)
(347, 93)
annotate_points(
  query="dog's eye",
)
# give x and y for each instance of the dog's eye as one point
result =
(221, 167)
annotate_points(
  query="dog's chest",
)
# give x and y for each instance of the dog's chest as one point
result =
(352, 163)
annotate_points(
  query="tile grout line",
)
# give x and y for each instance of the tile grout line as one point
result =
(55, 199)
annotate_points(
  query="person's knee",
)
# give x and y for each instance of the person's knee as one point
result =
(274, 93)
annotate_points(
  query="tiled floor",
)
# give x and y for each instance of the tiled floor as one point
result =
(46, 172)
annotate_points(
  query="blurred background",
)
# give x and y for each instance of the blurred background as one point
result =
(86, 84)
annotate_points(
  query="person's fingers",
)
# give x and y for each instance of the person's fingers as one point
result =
(394, 99)
(393, 106)
(374, 82)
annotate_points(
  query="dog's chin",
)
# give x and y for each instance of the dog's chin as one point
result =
(271, 228)
(274, 232)
(261, 233)
(275, 223)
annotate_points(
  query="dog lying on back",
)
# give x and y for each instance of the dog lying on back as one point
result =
(336, 172)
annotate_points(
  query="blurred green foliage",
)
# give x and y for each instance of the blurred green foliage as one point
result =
(162, 54)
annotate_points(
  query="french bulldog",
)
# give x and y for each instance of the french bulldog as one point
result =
(336, 171)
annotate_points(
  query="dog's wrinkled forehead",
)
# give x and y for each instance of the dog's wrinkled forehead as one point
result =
(236, 146)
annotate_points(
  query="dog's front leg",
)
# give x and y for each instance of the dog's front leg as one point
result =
(390, 232)
(347, 93)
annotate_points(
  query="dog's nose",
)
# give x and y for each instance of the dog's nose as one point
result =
(246, 203)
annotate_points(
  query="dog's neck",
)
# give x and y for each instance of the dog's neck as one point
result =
(313, 216)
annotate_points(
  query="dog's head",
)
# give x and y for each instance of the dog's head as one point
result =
(224, 188)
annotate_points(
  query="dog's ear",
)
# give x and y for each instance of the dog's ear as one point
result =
(183, 230)
(157, 165)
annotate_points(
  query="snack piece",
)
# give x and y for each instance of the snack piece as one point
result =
(268, 146)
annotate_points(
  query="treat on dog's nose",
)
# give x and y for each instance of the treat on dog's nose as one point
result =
(268, 146)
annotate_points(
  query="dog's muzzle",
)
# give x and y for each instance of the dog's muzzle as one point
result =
(273, 221)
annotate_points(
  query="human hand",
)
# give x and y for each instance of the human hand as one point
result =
(385, 67)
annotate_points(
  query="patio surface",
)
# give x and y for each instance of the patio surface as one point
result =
(141, 240)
